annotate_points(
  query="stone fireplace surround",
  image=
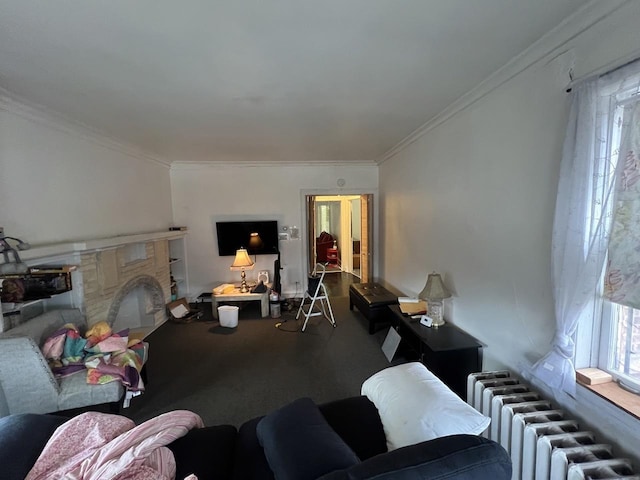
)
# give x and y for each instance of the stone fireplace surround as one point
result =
(113, 272)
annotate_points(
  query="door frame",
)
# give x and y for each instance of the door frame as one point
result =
(373, 216)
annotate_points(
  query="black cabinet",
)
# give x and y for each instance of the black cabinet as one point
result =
(447, 351)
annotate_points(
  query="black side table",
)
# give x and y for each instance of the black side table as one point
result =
(447, 351)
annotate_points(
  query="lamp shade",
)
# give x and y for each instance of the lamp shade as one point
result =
(242, 260)
(434, 289)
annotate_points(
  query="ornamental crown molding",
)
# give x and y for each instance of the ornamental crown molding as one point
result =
(547, 47)
(203, 164)
(40, 114)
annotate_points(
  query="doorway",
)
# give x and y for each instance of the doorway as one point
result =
(340, 231)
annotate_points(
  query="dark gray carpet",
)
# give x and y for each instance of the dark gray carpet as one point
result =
(232, 375)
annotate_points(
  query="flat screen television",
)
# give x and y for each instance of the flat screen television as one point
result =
(235, 235)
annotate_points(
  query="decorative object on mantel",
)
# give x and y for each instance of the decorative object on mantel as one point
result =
(435, 292)
(15, 264)
(177, 229)
(242, 262)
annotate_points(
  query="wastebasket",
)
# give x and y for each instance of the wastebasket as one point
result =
(228, 316)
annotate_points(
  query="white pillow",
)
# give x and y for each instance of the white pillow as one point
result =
(415, 406)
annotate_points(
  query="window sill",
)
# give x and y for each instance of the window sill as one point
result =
(621, 398)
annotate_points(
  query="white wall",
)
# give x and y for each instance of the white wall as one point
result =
(205, 194)
(58, 185)
(474, 199)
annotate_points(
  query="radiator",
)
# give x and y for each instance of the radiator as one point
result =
(542, 442)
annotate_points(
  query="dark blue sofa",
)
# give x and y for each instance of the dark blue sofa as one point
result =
(341, 440)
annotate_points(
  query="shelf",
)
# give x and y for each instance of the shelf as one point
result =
(51, 250)
(178, 264)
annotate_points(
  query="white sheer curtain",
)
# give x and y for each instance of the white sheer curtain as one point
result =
(578, 244)
(583, 217)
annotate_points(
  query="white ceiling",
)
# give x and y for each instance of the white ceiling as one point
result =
(272, 80)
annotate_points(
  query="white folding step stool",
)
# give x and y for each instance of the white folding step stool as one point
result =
(316, 293)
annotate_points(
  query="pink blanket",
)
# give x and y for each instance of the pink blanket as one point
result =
(95, 446)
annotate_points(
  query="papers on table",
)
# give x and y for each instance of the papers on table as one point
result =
(224, 288)
(412, 306)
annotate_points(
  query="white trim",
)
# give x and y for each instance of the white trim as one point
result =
(544, 49)
(58, 249)
(61, 123)
(195, 165)
(327, 192)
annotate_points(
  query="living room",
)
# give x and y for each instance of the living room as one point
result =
(471, 194)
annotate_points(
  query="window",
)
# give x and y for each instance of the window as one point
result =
(619, 340)
(623, 348)
(596, 235)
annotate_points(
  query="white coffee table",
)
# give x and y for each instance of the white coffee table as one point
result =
(237, 296)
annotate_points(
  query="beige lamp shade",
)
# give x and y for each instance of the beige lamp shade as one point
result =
(242, 260)
(434, 289)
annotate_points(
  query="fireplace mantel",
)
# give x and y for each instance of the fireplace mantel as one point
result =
(40, 252)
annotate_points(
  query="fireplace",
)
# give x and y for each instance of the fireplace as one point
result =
(123, 280)
(127, 286)
(139, 303)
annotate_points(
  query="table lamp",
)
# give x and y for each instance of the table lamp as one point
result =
(242, 262)
(434, 292)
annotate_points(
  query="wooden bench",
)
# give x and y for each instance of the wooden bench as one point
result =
(372, 300)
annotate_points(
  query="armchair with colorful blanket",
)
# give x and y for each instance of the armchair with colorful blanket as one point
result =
(28, 385)
(106, 356)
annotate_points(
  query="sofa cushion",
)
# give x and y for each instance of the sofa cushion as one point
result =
(250, 462)
(357, 422)
(463, 457)
(299, 444)
(205, 452)
(22, 438)
(415, 406)
(76, 393)
(41, 327)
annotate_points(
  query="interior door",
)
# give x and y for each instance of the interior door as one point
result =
(366, 229)
(366, 235)
(311, 231)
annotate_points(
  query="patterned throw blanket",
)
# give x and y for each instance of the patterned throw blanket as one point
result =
(106, 356)
(99, 446)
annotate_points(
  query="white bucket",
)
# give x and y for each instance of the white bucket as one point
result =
(228, 316)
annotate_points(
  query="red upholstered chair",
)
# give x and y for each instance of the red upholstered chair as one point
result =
(323, 242)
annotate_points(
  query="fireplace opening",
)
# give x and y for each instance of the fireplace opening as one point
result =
(138, 304)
